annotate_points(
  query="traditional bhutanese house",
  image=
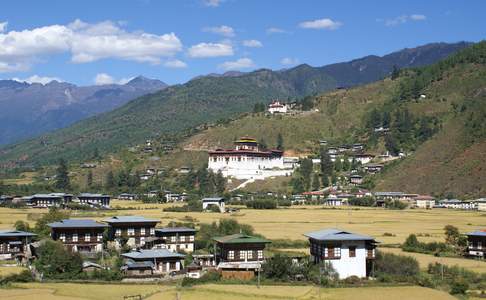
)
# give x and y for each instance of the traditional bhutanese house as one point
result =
(84, 236)
(217, 201)
(239, 256)
(476, 243)
(5, 199)
(363, 193)
(90, 267)
(481, 204)
(204, 260)
(373, 168)
(126, 196)
(96, 200)
(14, 243)
(344, 148)
(248, 161)
(135, 230)
(313, 195)
(48, 200)
(331, 201)
(277, 107)
(164, 261)
(193, 270)
(175, 239)
(424, 201)
(356, 179)
(138, 269)
(362, 158)
(350, 254)
(358, 147)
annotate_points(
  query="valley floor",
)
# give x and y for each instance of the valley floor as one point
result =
(68, 291)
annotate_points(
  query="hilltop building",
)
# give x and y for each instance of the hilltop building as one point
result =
(277, 107)
(350, 254)
(248, 161)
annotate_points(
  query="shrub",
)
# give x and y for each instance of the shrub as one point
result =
(396, 265)
(262, 204)
(24, 276)
(459, 287)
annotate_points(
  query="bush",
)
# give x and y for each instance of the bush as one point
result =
(459, 287)
(278, 267)
(55, 262)
(399, 266)
(412, 244)
(262, 204)
(24, 276)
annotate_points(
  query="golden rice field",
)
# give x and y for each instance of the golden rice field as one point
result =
(9, 270)
(291, 223)
(62, 291)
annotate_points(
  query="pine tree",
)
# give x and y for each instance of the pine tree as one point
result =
(280, 142)
(326, 163)
(89, 179)
(62, 176)
(110, 180)
(395, 72)
(316, 182)
(325, 181)
(306, 168)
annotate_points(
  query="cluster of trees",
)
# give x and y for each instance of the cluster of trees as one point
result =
(455, 243)
(204, 182)
(206, 233)
(262, 204)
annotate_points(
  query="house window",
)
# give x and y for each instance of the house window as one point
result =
(99, 237)
(337, 252)
(182, 238)
(131, 231)
(142, 231)
(231, 254)
(75, 237)
(249, 254)
(62, 237)
(152, 231)
(260, 254)
(118, 232)
(87, 237)
(191, 238)
(173, 239)
(352, 251)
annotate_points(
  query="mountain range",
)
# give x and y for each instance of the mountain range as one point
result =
(208, 99)
(30, 109)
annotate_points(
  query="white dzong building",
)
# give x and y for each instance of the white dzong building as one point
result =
(248, 161)
(277, 107)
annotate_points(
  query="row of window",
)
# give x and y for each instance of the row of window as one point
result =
(87, 237)
(244, 255)
(239, 158)
(476, 244)
(131, 231)
(182, 238)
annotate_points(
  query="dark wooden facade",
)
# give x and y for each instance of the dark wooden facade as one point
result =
(84, 236)
(135, 230)
(14, 243)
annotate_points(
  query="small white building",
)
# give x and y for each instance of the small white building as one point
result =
(277, 107)
(424, 201)
(349, 254)
(218, 201)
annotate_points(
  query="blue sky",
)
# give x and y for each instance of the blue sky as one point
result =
(87, 42)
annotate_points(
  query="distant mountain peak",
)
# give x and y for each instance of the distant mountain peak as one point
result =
(144, 83)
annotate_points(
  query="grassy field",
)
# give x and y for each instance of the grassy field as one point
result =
(4, 271)
(427, 224)
(425, 259)
(62, 291)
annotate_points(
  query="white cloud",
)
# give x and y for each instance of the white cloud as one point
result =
(272, 30)
(3, 26)
(38, 79)
(289, 61)
(326, 23)
(242, 63)
(252, 43)
(418, 17)
(85, 42)
(223, 30)
(403, 19)
(210, 50)
(212, 3)
(175, 63)
(104, 79)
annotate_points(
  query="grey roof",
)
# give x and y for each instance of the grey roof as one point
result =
(334, 234)
(51, 195)
(151, 254)
(175, 229)
(212, 199)
(92, 195)
(87, 264)
(14, 233)
(138, 265)
(129, 219)
(477, 233)
(77, 223)
(388, 193)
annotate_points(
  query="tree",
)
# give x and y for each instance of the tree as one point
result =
(306, 168)
(56, 262)
(451, 235)
(316, 182)
(263, 143)
(110, 180)
(54, 215)
(219, 183)
(62, 176)
(280, 142)
(325, 181)
(297, 185)
(89, 179)
(391, 145)
(21, 226)
(278, 267)
(395, 72)
(374, 119)
(326, 163)
(338, 166)
(96, 154)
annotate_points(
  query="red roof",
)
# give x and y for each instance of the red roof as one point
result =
(424, 197)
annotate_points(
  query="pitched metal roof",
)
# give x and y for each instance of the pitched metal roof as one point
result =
(211, 199)
(334, 234)
(477, 233)
(92, 195)
(138, 265)
(151, 254)
(240, 239)
(77, 223)
(175, 229)
(14, 233)
(129, 219)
